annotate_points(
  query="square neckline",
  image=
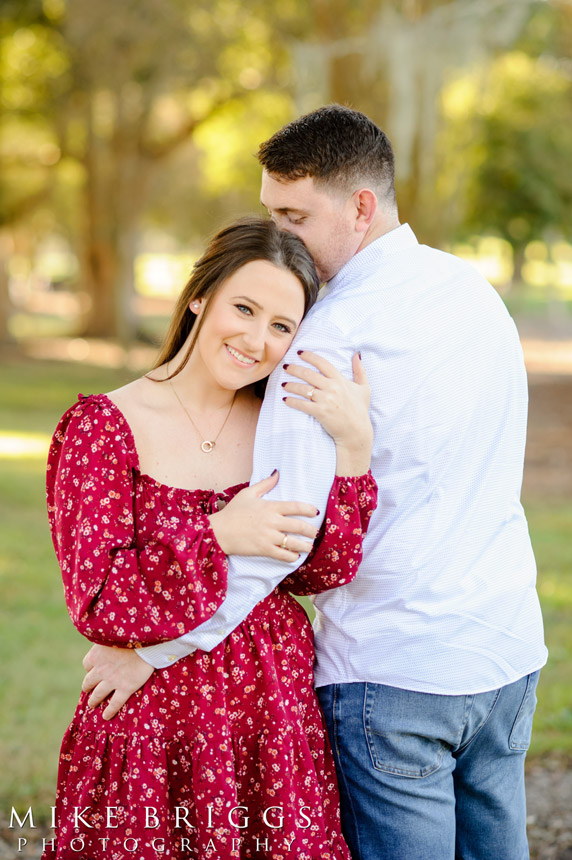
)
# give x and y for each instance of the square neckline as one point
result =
(208, 492)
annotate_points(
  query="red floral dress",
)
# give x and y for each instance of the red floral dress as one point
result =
(224, 754)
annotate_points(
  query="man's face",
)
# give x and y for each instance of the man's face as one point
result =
(323, 220)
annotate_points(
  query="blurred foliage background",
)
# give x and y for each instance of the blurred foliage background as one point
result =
(129, 133)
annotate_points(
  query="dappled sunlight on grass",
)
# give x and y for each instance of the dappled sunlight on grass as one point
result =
(22, 445)
(96, 352)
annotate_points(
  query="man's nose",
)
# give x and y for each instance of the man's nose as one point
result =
(287, 226)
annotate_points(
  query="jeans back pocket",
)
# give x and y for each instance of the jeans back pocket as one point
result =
(402, 729)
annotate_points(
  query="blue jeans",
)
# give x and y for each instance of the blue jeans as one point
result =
(428, 777)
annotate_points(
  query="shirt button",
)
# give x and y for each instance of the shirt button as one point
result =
(171, 657)
(221, 632)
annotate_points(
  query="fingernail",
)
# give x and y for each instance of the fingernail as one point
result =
(284, 384)
(273, 473)
(299, 352)
(283, 398)
(317, 511)
(359, 355)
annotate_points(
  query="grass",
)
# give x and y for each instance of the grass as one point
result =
(550, 527)
(40, 651)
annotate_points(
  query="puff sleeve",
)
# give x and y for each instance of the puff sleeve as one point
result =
(119, 592)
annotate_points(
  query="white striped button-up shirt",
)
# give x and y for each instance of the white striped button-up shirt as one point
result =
(445, 599)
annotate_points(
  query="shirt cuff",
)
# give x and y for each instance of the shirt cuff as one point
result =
(165, 654)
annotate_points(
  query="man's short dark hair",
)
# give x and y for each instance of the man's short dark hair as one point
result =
(336, 146)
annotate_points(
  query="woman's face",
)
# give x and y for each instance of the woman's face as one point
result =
(250, 324)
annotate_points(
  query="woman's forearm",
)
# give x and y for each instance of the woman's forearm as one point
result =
(353, 457)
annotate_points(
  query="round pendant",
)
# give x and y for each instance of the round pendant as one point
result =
(206, 446)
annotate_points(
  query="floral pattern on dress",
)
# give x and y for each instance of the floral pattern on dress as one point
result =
(225, 753)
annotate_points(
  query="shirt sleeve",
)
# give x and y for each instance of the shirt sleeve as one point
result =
(337, 551)
(305, 456)
(118, 593)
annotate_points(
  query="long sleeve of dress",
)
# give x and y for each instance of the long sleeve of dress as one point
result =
(120, 590)
(337, 552)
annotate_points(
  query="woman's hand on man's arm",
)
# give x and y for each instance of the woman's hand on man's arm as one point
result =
(254, 526)
(340, 404)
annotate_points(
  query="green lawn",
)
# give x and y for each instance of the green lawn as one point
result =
(40, 652)
(550, 528)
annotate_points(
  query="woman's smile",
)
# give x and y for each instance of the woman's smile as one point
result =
(240, 357)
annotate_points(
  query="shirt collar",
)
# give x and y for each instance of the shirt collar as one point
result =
(370, 257)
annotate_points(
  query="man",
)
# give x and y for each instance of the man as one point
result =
(427, 663)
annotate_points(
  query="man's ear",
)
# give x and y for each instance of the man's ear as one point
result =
(365, 202)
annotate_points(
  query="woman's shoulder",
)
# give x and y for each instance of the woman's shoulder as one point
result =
(140, 399)
(94, 423)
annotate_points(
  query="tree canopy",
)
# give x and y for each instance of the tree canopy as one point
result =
(116, 116)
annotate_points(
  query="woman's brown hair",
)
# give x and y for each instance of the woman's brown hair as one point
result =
(231, 248)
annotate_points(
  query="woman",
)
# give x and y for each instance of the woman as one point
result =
(223, 755)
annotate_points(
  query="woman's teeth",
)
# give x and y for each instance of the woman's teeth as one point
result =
(238, 355)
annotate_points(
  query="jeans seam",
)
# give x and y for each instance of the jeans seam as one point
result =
(341, 769)
(469, 702)
(482, 725)
(365, 717)
(410, 774)
(511, 744)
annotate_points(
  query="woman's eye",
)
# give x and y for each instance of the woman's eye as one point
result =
(244, 309)
(295, 220)
(282, 327)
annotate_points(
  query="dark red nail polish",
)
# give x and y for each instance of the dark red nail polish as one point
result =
(273, 473)
(283, 398)
(284, 384)
(285, 366)
(359, 355)
(300, 351)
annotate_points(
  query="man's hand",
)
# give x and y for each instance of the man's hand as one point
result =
(113, 670)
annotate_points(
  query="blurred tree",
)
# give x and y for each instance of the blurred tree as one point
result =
(145, 75)
(522, 184)
(392, 61)
(28, 61)
(112, 107)
(505, 152)
(136, 82)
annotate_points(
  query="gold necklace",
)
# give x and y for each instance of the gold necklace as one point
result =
(207, 444)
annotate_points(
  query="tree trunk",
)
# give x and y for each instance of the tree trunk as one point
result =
(6, 339)
(99, 279)
(114, 196)
(109, 279)
(518, 264)
(108, 273)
